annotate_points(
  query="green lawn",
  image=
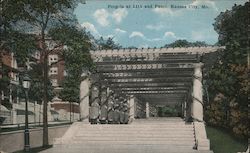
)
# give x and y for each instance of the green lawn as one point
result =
(223, 142)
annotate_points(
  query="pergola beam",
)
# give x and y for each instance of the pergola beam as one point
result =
(155, 51)
(150, 80)
(148, 76)
(155, 92)
(141, 85)
(154, 89)
(123, 61)
(176, 69)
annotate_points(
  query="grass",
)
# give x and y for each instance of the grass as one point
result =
(222, 141)
(35, 150)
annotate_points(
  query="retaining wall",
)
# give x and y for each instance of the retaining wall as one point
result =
(14, 141)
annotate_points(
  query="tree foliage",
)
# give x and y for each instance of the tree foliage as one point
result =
(229, 77)
(108, 44)
(37, 17)
(35, 92)
(185, 43)
(77, 58)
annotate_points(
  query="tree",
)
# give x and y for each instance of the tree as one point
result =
(13, 41)
(77, 58)
(229, 77)
(108, 44)
(185, 43)
(39, 16)
(35, 92)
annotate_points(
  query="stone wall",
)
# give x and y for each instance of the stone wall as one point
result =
(57, 111)
(65, 106)
(14, 141)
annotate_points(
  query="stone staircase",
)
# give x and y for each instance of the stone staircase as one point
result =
(154, 135)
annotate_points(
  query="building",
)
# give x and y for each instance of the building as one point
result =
(8, 76)
(10, 100)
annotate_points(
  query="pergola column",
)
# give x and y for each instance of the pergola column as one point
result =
(147, 110)
(197, 105)
(132, 108)
(84, 99)
(182, 109)
(185, 109)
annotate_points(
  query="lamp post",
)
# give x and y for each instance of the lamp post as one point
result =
(26, 86)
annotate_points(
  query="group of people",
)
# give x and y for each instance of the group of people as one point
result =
(107, 108)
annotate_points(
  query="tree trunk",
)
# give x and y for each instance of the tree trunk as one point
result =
(45, 82)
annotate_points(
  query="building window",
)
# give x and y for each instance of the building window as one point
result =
(53, 71)
(53, 59)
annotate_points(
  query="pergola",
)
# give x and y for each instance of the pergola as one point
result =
(153, 77)
(156, 76)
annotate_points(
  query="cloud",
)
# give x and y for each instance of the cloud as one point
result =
(156, 27)
(136, 34)
(118, 30)
(196, 35)
(108, 36)
(101, 16)
(119, 14)
(169, 34)
(202, 35)
(90, 27)
(209, 3)
(143, 46)
(163, 11)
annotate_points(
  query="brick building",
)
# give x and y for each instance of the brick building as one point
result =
(8, 69)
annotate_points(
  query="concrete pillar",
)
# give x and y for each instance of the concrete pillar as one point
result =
(182, 109)
(185, 109)
(132, 108)
(147, 110)
(84, 99)
(197, 105)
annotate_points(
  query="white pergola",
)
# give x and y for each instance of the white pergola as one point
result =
(158, 75)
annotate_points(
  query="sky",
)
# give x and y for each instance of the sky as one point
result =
(145, 23)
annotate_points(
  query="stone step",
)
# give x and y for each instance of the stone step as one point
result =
(163, 132)
(79, 150)
(94, 148)
(132, 139)
(136, 126)
(173, 135)
(137, 142)
(153, 135)
(143, 123)
(159, 121)
(143, 130)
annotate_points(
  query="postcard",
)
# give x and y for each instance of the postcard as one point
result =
(120, 76)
